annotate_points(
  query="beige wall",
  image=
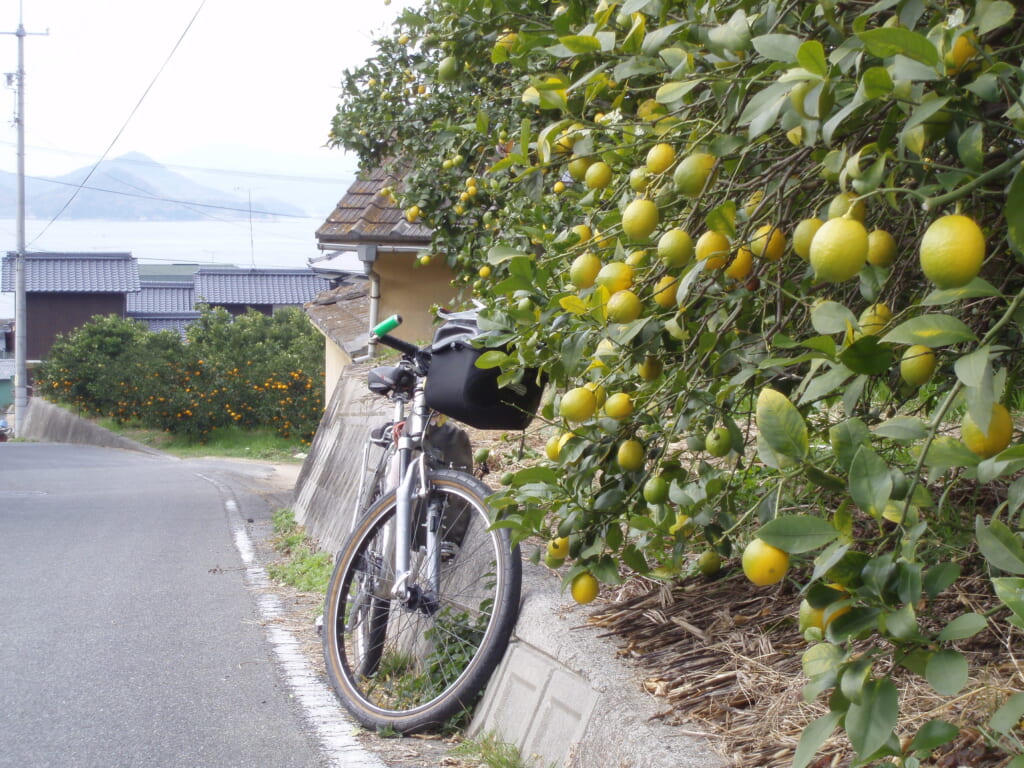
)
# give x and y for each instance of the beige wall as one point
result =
(336, 360)
(410, 290)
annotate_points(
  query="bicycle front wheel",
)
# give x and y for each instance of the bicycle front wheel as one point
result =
(414, 663)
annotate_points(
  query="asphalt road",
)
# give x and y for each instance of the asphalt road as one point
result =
(128, 635)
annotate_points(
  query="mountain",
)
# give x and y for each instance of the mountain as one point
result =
(133, 187)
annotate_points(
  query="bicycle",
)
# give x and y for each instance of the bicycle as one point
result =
(425, 593)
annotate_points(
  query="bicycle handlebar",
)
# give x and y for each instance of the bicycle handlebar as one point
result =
(409, 350)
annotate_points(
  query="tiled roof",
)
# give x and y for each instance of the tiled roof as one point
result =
(161, 297)
(73, 273)
(366, 216)
(264, 286)
(177, 323)
(343, 315)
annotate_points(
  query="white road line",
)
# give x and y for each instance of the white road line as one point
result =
(334, 729)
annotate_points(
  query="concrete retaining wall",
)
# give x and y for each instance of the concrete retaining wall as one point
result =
(327, 484)
(47, 422)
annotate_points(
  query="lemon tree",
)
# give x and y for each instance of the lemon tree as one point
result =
(768, 177)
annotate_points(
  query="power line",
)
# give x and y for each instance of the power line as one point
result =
(124, 126)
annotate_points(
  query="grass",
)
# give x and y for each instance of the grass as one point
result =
(302, 567)
(490, 751)
(231, 442)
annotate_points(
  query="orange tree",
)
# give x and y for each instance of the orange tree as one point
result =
(768, 256)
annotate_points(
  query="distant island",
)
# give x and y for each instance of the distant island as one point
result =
(132, 187)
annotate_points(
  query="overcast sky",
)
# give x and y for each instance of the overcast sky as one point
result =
(247, 75)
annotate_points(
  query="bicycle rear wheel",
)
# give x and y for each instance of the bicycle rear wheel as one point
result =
(413, 664)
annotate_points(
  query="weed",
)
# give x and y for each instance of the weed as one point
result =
(304, 568)
(489, 750)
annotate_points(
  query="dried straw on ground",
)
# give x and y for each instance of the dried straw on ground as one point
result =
(726, 658)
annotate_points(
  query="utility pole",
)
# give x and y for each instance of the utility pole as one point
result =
(20, 315)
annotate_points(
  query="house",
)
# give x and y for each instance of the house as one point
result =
(7, 364)
(64, 290)
(340, 314)
(367, 234)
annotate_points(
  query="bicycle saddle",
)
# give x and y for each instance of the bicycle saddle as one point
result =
(389, 378)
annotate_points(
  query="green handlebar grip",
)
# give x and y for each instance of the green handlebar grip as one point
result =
(387, 326)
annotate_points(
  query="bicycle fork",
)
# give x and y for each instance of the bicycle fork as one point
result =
(421, 596)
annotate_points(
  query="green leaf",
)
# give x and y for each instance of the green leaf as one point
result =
(1010, 589)
(492, 358)
(876, 82)
(963, 626)
(498, 254)
(946, 452)
(581, 43)
(978, 288)
(971, 369)
(821, 659)
(971, 147)
(871, 722)
(1000, 546)
(832, 317)
(994, 15)
(933, 734)
(939, 578)
(889, 41)
(1006, 718)
(814, 735)
(867, 356)
(870, 481)
(674, 91)
(777, 47)
(781, 425)
(811, 56)
(797, 533)
(1015, 202)
(902, 429)
(946, 672)
(932, 330)
(846, 438)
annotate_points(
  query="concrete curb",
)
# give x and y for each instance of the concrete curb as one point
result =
(47, 422)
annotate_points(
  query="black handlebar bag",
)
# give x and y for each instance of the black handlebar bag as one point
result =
(457, 388)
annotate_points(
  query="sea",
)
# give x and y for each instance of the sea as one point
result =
(263, 243)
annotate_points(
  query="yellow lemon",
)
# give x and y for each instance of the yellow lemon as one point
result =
(623, 307)
(838, 250)
(881, 248)
(578, 168)
(584, 269)
(665, 291)
(584, 588)
(964, 50)
(741, 265)
(598, 391)
(769, 243)
(952, 250)
(1000, 431)
(803, 233)
(709, 563)
(675, 248)
(847, 204)
(631, 455)
(578, 404)
(412, 213)
(692, 173)
(764, 564)
(650, 368)
(656, 490)
(559, 548)
(660, 158)
(619, 406)
(599, 175)
(615, 276)
(874, 319)
(917, 365)
(640, 218)
(713, 248)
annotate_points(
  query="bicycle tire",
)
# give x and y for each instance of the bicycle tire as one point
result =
(432, 660)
